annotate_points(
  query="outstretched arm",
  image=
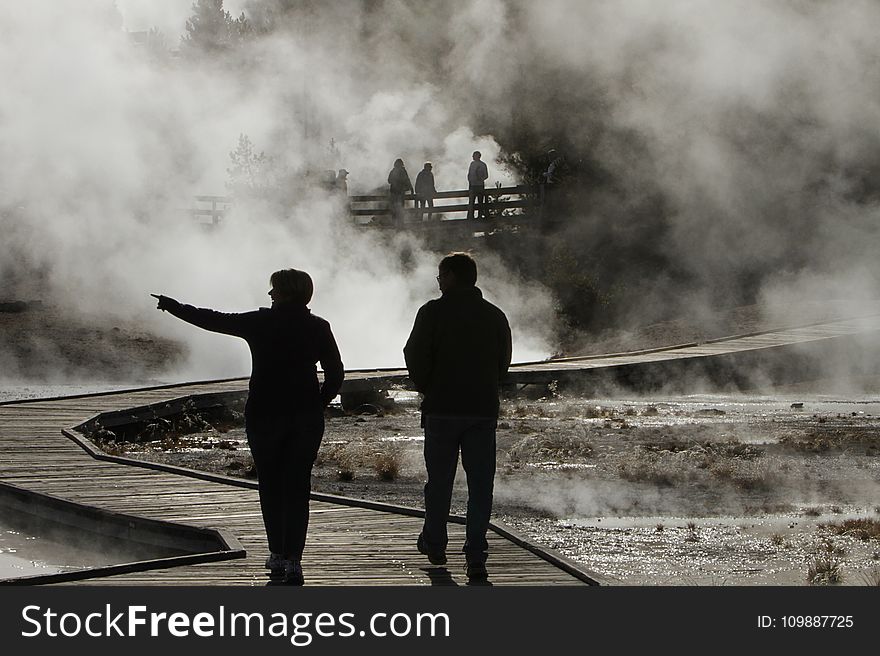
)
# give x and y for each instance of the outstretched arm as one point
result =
(217, 322)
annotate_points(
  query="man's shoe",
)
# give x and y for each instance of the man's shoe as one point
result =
(476, 571)
(435, 557)
(293, 573)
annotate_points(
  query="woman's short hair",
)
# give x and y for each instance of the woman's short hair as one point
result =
(462, 266)
(293, 285)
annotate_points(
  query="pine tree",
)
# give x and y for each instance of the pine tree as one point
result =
(213, 31)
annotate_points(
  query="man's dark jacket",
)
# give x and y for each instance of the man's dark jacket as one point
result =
(457, 354)
(286, 341)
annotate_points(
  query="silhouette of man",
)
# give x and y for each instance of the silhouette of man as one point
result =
(551, 175)
(457, 354)
(399, 184)
(284, 414)
(425, 190)
(477, 174)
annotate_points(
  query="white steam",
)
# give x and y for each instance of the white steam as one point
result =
(102, 144)
(753, 121)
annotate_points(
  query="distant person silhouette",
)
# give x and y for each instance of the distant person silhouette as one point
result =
(425, 190)
(284, 414)
(555, 159)
(398, 185)
(342, 182)
(457, 354)
(477, 174)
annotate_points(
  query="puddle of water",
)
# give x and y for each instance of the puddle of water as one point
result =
(560, 466)
(25, 554)
(403, 438)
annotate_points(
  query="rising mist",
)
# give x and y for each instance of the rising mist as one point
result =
(725, 153)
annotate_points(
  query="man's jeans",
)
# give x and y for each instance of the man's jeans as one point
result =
(477, 196)
(474, 437)
(284, 450)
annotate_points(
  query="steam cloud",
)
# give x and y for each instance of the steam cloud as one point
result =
(750, 126)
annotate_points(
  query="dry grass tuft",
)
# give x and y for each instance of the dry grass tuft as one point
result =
(542, 447)
(387, 465)
(825, 567)
(824, 570)
(863, 529)
(872, 578)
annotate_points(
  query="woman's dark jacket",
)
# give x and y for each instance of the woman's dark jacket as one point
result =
(286, 342)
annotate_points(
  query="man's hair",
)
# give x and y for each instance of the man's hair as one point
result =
(477, 153)
(293, 285)
(462, 266)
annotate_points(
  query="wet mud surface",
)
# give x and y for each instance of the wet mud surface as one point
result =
(698, 490)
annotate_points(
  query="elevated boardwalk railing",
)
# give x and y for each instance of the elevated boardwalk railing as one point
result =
(214, 207)
(499, 200)
(375, 209)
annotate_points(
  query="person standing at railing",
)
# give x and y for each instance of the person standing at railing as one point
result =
(399, 184)
(554, 168)
(478, 172)
(342, 182)
(425, 190)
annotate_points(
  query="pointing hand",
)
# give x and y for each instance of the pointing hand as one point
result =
(165, 302)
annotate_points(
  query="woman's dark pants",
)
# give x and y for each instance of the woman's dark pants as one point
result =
(284, 450)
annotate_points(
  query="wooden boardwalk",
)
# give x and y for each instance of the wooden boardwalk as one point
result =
(348, 544)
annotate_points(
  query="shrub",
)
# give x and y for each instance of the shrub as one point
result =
(824, 570)
(863, 529)
(872, 578)
(387, 465)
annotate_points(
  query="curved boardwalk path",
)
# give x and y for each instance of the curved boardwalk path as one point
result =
(348, 544)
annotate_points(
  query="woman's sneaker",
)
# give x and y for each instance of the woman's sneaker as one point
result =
(275, 565)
